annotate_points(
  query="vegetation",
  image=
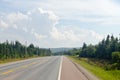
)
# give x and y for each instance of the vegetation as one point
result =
(15, 50)
(107, 52)
(71, 51)
(102, 59)
(98, 71)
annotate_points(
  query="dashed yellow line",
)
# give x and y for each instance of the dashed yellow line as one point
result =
(12, 70)
(7, 72)
(24, 66)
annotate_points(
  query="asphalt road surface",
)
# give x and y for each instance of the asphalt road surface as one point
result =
(43, 68)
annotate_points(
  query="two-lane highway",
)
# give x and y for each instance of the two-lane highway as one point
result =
(44, 68)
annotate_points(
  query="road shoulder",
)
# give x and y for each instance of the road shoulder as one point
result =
(84, 71)
(70, 72)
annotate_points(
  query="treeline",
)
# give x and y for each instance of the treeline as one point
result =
(72, 51)
(9, 50)
(106, 50)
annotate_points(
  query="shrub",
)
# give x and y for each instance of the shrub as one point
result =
(116, 57)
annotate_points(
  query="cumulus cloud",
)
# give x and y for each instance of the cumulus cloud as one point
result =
(14, 17)
(42, 20)
(39, 36)
(72, 7)
(13, 20)
(57, 34)
(33, 25)
(75, 35)
(40, 27)
(38, 19)
(3, 24)
(106, 12)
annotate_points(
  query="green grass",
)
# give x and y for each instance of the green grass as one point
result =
(98, 71)
(14, 59)
(10, 60)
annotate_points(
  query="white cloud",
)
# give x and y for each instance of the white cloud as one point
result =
(111, 21)
(74, 9)
(84, 7)
(75, 35)
(14, 17)
(3, 24)
(25, 29)
(96, 35)
(43, 21)
(69, 7)
(13, 20)
(52, 16)
(39, 26)
(39, 36)
(56, 34)
(85, 19)
(35, 25)
(107, 12)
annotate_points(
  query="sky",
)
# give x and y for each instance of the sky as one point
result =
(58, 23)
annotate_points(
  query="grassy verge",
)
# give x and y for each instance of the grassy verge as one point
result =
(14, 59)
(98, 71)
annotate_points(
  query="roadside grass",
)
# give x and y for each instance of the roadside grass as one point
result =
(101, 73)
(11, 60)
(14, 59)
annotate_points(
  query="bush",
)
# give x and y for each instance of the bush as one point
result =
(116, 57)
(107, 67)
(115, 66)
(116, 60)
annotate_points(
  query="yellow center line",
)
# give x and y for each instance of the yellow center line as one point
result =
(12, 70)
(7, 72)
(24, 66)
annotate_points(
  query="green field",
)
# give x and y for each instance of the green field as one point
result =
(98, 71)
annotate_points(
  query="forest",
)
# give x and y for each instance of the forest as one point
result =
(14, 49)
(107, 51)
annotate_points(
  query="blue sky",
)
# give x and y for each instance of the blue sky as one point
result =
(58, 23)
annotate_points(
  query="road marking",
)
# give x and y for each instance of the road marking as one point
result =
(12, 70)
(7, 72)
(59, 75)
(18, 68)
(25, 66)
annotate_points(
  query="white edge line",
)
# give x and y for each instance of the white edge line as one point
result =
(59, 75)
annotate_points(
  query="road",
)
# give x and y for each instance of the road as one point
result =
(73, 71)
(43, 68)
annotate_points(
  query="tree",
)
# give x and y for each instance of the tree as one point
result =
(17, 50)
(90, 51)
(83, 51)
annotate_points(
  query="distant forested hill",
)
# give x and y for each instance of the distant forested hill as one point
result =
(54, 50)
